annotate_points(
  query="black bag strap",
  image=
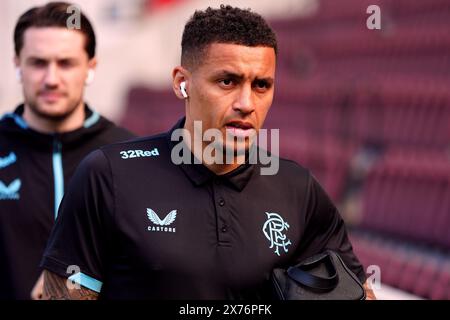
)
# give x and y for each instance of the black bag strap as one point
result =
(300, 274)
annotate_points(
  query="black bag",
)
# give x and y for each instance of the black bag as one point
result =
(321, 277)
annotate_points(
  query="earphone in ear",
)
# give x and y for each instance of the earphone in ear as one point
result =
(18, 74)
(90, 77)
(183, 89)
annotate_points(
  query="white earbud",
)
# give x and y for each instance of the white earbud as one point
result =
(90, 77)
(183, 89)
(18, 74)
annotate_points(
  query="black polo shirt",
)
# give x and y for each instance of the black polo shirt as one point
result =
(137, 226)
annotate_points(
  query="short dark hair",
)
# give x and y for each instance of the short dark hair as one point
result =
(224, 25)
(53, 14)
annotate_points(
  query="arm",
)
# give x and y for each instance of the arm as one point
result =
(55, 288)
(38, 289)
(370, 295)
(81, 233)
(325, 229)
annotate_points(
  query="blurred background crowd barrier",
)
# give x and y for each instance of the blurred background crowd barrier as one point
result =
(368, 111)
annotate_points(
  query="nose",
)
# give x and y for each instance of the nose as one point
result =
(51, 76)
(244, 101)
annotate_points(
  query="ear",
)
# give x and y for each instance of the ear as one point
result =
(16, 61)
(92, 64)
(179, 75)
(18, 70)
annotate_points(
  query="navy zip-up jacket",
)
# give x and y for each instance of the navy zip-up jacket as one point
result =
(35, 169)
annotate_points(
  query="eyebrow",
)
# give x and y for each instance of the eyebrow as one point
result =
(229, 74)
(34, 58)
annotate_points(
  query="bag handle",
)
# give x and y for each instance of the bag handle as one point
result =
(299, 274)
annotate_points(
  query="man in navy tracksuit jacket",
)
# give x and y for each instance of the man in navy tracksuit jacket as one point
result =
(44, 139)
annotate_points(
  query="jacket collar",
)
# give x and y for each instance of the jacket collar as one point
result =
(14, 122)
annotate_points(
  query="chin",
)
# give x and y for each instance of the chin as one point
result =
(53, 113)
(240, 149)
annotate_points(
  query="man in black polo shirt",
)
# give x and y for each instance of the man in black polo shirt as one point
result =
(155, 218)
(44, 139)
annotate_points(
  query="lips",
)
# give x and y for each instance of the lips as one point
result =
(239, 128)
(240, 125)
(50, 95)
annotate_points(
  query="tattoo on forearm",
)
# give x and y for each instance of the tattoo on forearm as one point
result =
(370, 295)
(55, 288)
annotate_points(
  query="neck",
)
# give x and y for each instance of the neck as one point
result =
(197, 146)
(44, 124)
(221, 169)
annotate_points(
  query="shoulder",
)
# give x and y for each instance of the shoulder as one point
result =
(290, 170)
(113, 132)
(3, 119)
(138, 147)
(95, 161)
(10, 127)
(6, 120)
(116, 133)
(291, 167)
(284, 174)
(301, 177)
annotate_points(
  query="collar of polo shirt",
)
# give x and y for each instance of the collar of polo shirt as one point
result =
(199, 174)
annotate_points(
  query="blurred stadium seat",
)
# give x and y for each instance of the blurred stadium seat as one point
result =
(151, 111)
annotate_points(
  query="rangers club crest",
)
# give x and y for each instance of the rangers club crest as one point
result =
(274, 229)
